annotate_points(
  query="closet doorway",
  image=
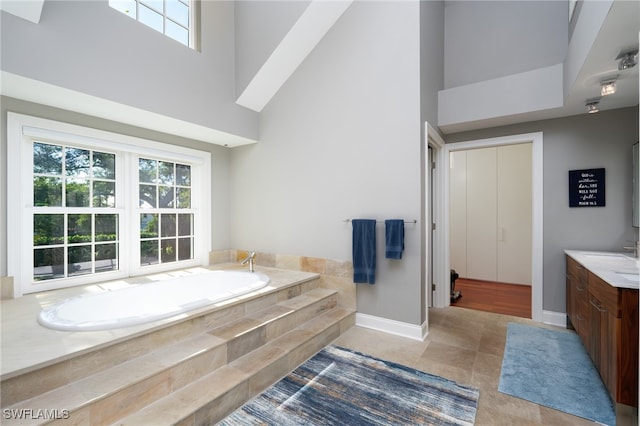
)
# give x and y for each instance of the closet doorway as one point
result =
(494, 191)
(490, 213)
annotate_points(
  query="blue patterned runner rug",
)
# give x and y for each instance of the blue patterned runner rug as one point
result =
(342, 387)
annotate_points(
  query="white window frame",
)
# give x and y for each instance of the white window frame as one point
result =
(192, 28)
(21, 131)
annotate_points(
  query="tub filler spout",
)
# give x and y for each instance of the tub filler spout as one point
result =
(249, 259)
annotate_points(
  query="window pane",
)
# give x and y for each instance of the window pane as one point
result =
(184, 198)
(168, 225)
(77, 192)
(157, 5)
(150, 18)
(184, 224)
(184, 248)
(165, 174)
(169, 250)
(148, 197)
(47, 159)
(106, 227)
(48, 229)
(149, 252)
(183, 175)
(177, 32)
(147, 170)
(76, 162)
(79, 260)
(48, 263)
(178, 11)
(104, 194)
(148, 225)
(104, 165)
(165, 195)
(128, 7)
(106, 257)
(79, 228)
(47, 191)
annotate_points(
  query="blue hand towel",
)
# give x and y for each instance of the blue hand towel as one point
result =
(394, 238)
(364, 251)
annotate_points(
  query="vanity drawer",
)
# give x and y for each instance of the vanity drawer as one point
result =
(608, 295)
(576, 270)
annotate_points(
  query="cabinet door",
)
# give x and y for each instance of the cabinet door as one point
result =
(573, 289)
(603, 333)
(583, 314)
(597, 321)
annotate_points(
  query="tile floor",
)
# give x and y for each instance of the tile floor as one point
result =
(466, 346)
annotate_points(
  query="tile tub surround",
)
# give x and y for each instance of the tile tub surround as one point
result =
(334, 274)
(6, 288)
(26, 344)
(234, 351)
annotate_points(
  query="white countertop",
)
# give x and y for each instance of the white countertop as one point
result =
(618, 269)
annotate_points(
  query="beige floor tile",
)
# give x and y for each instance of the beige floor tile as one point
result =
(466, 346)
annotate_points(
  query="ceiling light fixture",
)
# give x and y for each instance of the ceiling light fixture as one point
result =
(592, 106)
(608, 87)
(628, 59)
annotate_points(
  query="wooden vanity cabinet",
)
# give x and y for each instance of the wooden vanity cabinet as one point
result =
(608, 329)
(578, 299)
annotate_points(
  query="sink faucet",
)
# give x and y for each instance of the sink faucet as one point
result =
(249, 259)
(634, 248)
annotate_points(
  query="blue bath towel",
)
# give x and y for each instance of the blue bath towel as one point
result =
(394, 238)
(364, 251)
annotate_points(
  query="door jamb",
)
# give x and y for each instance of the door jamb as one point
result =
(442, 297)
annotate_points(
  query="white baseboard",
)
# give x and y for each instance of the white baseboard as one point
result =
(410, 331)
(554, 318)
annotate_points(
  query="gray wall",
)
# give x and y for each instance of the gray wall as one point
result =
(220, 235)
(431, 81)
(259, 27)
(490, 39)
(342, 140)
(89, 47)
(579, 142)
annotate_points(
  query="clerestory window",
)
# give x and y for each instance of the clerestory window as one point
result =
(89, 205)
(174, 18)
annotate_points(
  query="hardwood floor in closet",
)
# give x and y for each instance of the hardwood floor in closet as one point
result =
(499, 298)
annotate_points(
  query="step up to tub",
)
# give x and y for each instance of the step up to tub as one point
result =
(216, 395)
(130, 386)
(52, 374)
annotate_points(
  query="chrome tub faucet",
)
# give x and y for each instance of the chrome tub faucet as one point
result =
(249, 259)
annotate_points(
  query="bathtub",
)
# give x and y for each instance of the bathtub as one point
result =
(144, 303)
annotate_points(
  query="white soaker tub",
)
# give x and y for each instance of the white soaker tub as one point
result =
(149, 302)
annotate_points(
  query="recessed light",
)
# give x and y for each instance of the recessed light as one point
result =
(608, 87)
(592, 106)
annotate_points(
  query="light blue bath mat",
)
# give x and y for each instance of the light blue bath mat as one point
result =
(552, 368)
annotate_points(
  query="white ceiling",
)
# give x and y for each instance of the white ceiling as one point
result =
(619, 32)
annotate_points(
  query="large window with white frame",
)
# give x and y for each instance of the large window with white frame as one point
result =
(90, 205)
(173, 18)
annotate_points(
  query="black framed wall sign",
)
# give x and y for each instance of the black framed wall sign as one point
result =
(586, 188)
